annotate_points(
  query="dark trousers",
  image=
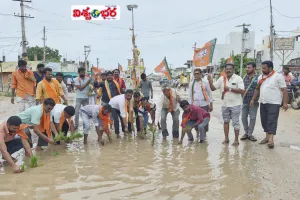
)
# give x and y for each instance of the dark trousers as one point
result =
(137, 121)
(16, 144)
(64, 129)
(206, 108)
(269, 114)
(116, 115)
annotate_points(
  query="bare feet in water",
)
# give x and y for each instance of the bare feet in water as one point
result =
(235, 143)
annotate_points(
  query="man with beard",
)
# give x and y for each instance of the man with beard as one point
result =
(49, 88)
(24, 82)
(60, 79)
(10, 144)
(231, 87)
(250, 82)
(122, 108)
(98, 88)
(119, 80)
(39, 74)
(271, 88)
(110, 88)
(82, 85)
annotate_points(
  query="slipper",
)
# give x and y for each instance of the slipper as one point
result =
(271, 145)
(264, 141)
(225, 142)
(244, 137)
(252, 138)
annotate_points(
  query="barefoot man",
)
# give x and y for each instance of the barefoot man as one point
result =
(232, 89)
(10, 144)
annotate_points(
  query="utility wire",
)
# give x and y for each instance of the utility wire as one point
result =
(285, 15)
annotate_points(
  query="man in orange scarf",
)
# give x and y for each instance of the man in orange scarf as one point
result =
(145, 108)
(38, 118)
(23, 81)
(168, 103)
(61, 119)
(10, 144)
(271, 89)
(101, 119)
(119, 80)
(49, 88)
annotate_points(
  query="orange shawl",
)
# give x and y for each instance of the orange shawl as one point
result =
(52, 92)
(106, 84)
(171, 106)
(28, 75)
(119, 81)
(186, 119)
(130, 112)
(62, 120)
(260, 82)
(45, 123)
(21, 131)
(105, 120)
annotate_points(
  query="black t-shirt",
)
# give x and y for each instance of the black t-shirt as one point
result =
(113, 90)
(97, 85)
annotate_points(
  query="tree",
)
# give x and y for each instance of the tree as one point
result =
(237, 61)
(52, 55)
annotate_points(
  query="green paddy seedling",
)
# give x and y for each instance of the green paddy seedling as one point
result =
(33, 161)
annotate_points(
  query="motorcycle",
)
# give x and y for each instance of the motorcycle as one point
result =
(294, 96)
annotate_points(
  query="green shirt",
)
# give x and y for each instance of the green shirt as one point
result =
(32, 115)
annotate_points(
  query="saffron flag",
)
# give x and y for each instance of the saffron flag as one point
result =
(230, 60)
(203, 56)
(96, 70)
(164, 69)
(120, 67)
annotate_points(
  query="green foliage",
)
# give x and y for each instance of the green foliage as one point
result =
(33, 161)
(55, 154)
(237, 61)
(67, 139)
(22, 167)
(52, 55)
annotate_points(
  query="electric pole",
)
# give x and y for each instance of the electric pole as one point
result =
(24, 42)
(97, 62)
(271, 33)
(44, 39)
(87, 50)
(244, 32)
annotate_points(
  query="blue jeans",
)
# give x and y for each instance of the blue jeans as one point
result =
(200, 128)
(251, 112)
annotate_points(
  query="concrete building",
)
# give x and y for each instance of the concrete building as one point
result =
(234, 44)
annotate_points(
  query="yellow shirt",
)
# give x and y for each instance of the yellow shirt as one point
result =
(41, 92)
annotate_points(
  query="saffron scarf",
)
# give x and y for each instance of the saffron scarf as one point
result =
(203, 90)
(128, 105)
(119, 81)
(224, 83)
(260, 82)
(171, 106)
(108, 88)
(186, 119)
(52, 92)
(21, 131)
(45, 123)
(105, 120)
(28, 75)
(62, 120)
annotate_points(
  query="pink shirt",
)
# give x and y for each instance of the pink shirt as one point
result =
(4, 133)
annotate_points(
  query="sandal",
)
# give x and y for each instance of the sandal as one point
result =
(252, 138)
(271, 145)
(264, 141)
(245, 137)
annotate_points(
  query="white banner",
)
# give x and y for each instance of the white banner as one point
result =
(95, 12)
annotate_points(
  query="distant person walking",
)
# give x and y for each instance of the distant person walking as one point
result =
(146, 87)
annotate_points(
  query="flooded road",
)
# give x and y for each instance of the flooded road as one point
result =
(131, 168)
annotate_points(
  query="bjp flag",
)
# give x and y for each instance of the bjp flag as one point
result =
(203, 56)
(96, 70)
(230, 60)
(120, 67)
(164, 69)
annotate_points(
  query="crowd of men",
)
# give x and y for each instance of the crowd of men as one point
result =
(106, 102)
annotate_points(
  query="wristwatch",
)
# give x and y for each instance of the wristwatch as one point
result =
(229, 89)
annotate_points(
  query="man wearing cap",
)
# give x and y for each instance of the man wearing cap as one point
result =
(168, 103)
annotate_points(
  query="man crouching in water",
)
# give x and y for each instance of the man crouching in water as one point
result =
(10, 144)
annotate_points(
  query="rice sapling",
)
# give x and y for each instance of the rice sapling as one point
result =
(33, 161)
(22, 167)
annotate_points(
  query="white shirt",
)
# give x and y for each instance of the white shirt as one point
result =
(270, 90)
(69, 81)
(231, 99)
(118, 102)
(141, 110)
(163, 102)
(56, 113)
(93, 112)
(65, 89)
(199, 98)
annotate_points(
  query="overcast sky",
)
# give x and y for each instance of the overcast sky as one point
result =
(155, 21)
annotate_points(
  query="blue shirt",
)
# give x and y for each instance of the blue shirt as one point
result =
(84, 93)
(250, 93)
(37, 77)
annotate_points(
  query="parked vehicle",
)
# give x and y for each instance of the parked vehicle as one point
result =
(294, 96)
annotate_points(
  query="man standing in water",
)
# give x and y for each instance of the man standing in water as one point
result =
(250, 82)
(10, 144)
(119, 80)
(39, 74)
(49, 88)
(231, 87)
(146, 87)
(109, 89)
(24, 82)
(200, 95)
(122, 108)
(82, 85)
(271, 88)
(168, 102)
